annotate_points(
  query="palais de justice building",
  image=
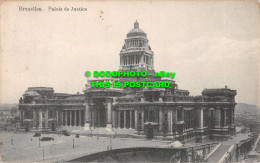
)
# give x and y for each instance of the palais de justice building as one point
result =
(168, 112)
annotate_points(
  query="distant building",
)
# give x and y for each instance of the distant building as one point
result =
(168, 112)
(255, 127)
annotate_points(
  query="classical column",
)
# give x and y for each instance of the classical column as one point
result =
(113, 118)
(170, 121)
(22, 117)
(160, 119)
(182, 114)
(40, 118)
(57, 117)
(130, 119)
(61, 117)
(34, 118)
(109, 114)
(80, 121)
(118, 116)
(87, 115)
(201, 118)
(152, 62)
(174, 120)
(141, 59)
(225, 117)
(66, 117)
(217, 116)
(75, 118)
(93, 118)
(70, 118)
(124, 119)
(46, 118)
(136, 119)
(232, 116)
(229, 114)
(142, 123)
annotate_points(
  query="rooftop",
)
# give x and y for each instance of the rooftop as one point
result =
(136, 31)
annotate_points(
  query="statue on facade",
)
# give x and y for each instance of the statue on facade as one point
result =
(20, 100)
(161, 93)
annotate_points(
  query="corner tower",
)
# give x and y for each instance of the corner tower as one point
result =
(136, 53)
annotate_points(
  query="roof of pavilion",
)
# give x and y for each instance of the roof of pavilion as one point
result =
(153, 89)
(129, 96)
(111, 89)
(76, 97)
(61, 94)
(31, 94)
(218, 90)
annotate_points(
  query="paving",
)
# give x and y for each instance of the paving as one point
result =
(22, 147)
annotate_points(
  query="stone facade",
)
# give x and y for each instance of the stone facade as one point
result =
(167, 112)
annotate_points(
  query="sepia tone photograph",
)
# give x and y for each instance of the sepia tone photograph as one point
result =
(130, 81)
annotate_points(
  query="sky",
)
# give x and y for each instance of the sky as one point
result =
(207, 43)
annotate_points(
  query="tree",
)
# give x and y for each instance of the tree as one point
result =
(13, 111)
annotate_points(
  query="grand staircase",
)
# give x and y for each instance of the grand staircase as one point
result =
(216, 156)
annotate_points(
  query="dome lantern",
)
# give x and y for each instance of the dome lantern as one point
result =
(136, 24)
(136, 31)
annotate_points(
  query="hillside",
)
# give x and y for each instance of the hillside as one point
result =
(8, 106)
(242, 108)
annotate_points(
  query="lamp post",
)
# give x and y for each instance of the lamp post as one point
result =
(39, 142)
(73, 143)
(43, 154)
(221, 133)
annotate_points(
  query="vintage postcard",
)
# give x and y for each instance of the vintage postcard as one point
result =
(129, 81)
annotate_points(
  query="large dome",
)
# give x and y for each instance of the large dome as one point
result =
(136, 31)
